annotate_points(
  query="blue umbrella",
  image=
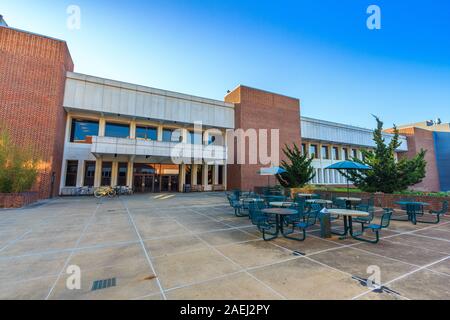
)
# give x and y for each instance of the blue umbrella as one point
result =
(347, 166)
(270, 172)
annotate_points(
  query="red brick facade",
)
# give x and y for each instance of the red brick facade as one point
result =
(32, 81)
(257, 109)
(423, 139)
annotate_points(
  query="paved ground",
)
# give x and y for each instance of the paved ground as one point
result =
(197, 249)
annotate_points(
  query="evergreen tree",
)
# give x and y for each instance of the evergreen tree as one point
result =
(388, 175)
(299, 171)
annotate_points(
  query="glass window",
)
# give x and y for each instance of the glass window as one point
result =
(335, 153)
(303, 148)
(324, 153)
(106, 173)
(313, 151)
(116, 130)
(82, 131)
(147, 133)
(188, 176)
(194, 138)
(199, 174)
(122, 174)
(89, 173)
(354, 153)
(344, 153)
(71, 173)
(210, 175)
(171, 135)
(143, 168)
(220, 168)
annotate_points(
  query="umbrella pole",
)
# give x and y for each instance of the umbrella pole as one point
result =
(348, 187)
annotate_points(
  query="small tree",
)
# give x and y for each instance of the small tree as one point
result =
(388, 175)
(299, 171)
(18, 167)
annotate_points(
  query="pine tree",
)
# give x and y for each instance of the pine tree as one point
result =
(299, 171)
(388, 175)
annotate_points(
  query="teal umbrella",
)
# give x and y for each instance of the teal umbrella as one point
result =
(270, 172)
(347, 166)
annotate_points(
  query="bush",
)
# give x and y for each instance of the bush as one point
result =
(18, 166)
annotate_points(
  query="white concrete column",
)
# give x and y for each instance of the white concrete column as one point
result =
(216, 175)
(160, 133)
(133, 129)
(98, 173)
(101, 127)
(80, 173)
(182, 178)
(205, 177)
(225, 180)
(114, 172)
(194, 174)
(130, 174)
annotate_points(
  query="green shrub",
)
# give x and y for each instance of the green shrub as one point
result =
(18, 166)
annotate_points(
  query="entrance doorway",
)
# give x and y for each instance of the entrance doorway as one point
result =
(154, 178)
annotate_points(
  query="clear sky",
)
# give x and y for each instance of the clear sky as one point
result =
(318, 51)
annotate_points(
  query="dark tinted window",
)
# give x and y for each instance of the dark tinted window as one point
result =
(148, 133)
(83, 130)
(313, 151)
(117, 130)
(122, 174)
(106, 173)
(194, 138)
(89, 173)
(170, 135)
(210, 175)
(71, 173)
(199, 174)
(325, 154)
(188, 176)
(220, 168)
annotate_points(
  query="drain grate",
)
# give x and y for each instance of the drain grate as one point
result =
(103, 284)
(363, 282)
(298, 253)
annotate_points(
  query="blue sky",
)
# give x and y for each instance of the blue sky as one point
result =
(318, 51)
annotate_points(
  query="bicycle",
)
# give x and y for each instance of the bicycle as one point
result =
(105, 192)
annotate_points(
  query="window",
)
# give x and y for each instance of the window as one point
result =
(324, 153)
(89, 173)
(116, 130)
(303, 149)
(199, 174)
(194, 137)
(220, 168)
(106, 173)
(354, 153)
(313, 151)
(82, 131)
(171, 135)
(122, 174)
(211, 139)
(147, 133)
(188, 176)
(344, 153)
(210, 175)
(71, 173)
(335, 153)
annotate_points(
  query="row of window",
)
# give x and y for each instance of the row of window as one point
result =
(327, 155)
(142, 169)
(328, 177)
(83, 130)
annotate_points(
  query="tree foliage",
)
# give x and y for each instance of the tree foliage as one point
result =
(388, 174)
(18, 167)
(299, 171)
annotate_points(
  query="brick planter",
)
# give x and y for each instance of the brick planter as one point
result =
(388, 200)
(17, 200)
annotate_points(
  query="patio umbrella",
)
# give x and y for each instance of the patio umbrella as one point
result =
(270, 172)
(348, 166)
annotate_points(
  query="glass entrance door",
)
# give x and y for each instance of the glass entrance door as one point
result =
(144, 183)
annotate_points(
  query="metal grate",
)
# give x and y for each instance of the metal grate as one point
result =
(298, 253)
(103, 284)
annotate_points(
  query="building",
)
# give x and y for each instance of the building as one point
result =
(330, 142)
(90, 131)
(434, 137)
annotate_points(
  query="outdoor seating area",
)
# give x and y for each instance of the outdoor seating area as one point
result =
(193, 246)
(272, 213)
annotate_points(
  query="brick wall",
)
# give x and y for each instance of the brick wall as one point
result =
(388, 200)
(423, 139)
(17, 200)
(32, 80)
(257, 109)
